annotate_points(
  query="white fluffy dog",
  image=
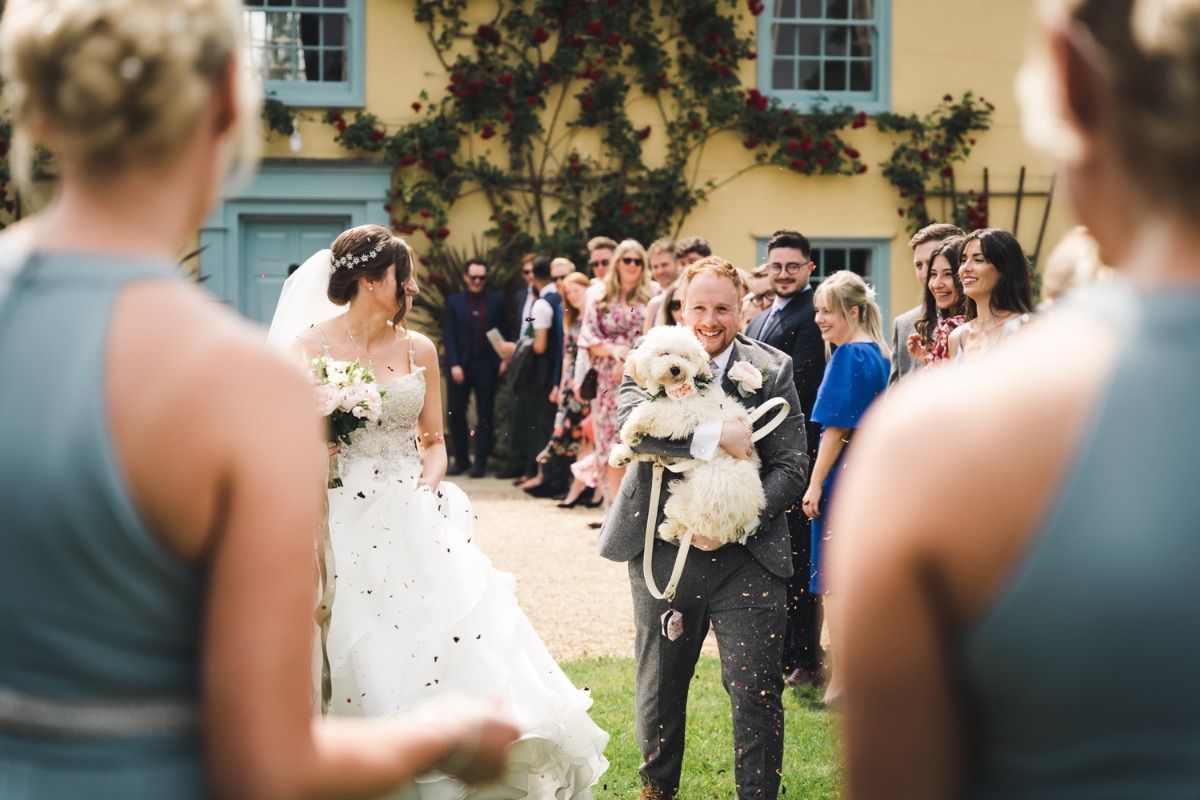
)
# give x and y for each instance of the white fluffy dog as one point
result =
(715, 499)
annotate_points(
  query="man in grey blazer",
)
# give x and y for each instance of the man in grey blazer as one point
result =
(923, 243)
(738, 589)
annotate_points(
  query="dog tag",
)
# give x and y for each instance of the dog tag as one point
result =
(672, 624)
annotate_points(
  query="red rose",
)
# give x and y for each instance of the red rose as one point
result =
(948, 172)
(506, 80)
(900, 211)
(442, 233)
(613, 40)
(862, 168)
(539, 35)
(586, 102)
(851, 152)
(387, 207)
(377, 135)
(341, 125)
(626, 207)
(595, 28)
(799, 164)
(531, 100)
(407, 160)
(792, 146)
(439, 155)
(644, 133)
(695, 123)
(487, 132)
(750, 143)
(509, 227)
(508, 116)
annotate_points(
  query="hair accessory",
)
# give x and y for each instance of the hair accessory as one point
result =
(350, 260)
(871, 293)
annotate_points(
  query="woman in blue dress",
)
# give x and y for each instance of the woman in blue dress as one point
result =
(855, 375)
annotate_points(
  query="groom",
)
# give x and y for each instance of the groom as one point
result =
(739, 589)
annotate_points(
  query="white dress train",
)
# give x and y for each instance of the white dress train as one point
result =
(419, 610)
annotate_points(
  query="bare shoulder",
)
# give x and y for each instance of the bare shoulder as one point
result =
(309, 343)
(423, 346)
(1009, 424)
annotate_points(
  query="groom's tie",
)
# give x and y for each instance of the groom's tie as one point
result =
(715, 369)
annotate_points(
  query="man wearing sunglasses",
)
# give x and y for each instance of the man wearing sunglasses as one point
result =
(473, 367)
(789, 324)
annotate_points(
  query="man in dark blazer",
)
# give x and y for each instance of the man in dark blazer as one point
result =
(790, 325)
(739, 589)
(473, 366)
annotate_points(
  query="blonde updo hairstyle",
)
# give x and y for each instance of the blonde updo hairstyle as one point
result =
(114, 82)
(1145, 55)
(844, 291)
(359, 243)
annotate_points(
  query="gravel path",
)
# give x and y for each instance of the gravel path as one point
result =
(577, 601)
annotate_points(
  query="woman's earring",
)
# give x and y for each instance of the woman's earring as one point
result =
(370, 288)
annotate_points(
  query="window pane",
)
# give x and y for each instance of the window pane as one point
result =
(810, 40)
(864, 9)
(254, 3)
(783, 74)
(785, 39)
(335, 66)
(785, 9)
(308, 3)
(838, 9)
(835, 259)
(860, 261)
(334, 26)
(862, 41)
(811, 9)
(862, 76)
(279, 3)
(809, 78)
(835, 76)
(335, 3)
(835, 40)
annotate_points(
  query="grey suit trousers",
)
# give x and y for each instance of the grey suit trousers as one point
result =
(747, 606)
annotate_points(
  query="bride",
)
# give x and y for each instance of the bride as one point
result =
(418, 609)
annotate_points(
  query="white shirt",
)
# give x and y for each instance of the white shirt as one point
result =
(542, 312)
(707, 435)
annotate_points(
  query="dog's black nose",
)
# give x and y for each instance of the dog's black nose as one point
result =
(675, 372)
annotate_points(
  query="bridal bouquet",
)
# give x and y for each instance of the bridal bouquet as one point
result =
(346, 392)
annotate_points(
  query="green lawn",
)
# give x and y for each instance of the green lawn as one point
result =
(810, 759)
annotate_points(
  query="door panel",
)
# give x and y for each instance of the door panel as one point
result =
(270, 246)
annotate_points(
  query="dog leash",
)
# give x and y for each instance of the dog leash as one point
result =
(668, 594)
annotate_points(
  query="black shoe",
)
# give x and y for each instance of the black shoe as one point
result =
(476, 472)
(458, 469)
(584, 498)
(543, 489)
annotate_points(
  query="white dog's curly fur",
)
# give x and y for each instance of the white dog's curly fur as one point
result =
(715, 499)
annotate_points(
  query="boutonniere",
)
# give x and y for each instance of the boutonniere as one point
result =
(747, 377)
(702, 381)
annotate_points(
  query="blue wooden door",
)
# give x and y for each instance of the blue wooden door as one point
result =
(269, 247)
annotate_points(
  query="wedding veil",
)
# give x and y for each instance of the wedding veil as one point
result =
(304, 301)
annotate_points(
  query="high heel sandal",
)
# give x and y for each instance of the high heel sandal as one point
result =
(579, 498)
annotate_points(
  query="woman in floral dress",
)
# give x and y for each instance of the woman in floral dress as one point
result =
(611, 323)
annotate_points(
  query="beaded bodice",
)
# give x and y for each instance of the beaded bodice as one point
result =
(390, 443)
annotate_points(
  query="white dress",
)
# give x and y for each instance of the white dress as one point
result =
(419, 610)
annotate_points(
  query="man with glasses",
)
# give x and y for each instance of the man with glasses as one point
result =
(473, 367)
(600, 256)
(761, 296)
(789, 324)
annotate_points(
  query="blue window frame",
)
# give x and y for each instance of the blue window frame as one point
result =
(308, 52)
(865, 257)
(828, 51)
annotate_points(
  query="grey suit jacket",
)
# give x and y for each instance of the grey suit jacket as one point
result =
(904, 326)
(785, 463)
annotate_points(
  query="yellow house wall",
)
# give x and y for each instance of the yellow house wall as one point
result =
(938, 48)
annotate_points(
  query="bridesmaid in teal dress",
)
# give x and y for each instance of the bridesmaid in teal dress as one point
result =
(855, 375)
(157, 583)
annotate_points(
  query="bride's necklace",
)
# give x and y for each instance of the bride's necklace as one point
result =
(369, 356)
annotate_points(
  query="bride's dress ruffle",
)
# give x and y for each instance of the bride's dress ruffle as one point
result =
(420, 610)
